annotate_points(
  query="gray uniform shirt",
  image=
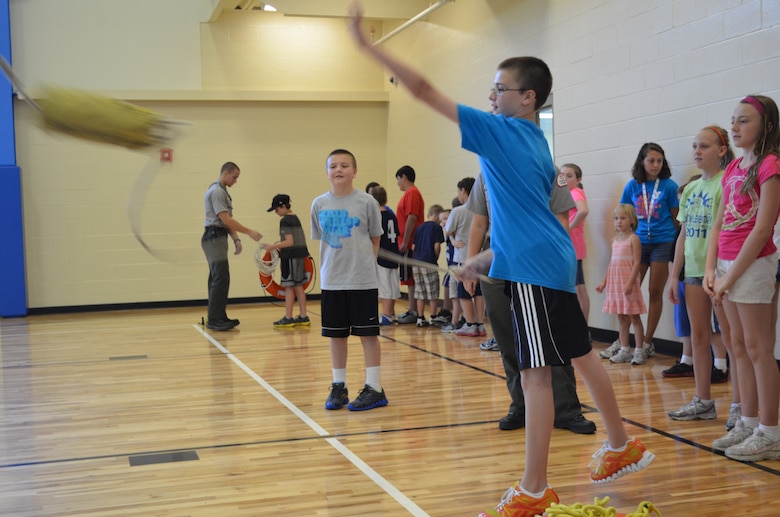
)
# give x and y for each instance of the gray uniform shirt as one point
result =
(216, 201)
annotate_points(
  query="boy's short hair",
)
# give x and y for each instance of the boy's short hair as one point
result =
(466, 184)
(456, 202)
(407, 171)
(379, 193)
(435, 210)
(370, 186)
(531, 73)
(343, 151)
(229, 167)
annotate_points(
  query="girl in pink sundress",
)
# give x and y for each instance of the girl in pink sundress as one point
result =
(623, 294)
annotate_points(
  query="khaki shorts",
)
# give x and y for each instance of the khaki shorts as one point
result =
(757, 283)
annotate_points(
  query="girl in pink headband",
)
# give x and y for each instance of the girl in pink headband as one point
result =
(741, 272)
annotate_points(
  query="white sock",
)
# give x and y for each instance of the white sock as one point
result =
(372, 377)
(534, 495)
(625, 348)
(750, 421)
(340, 375)
(686, 359)
(721, 364)
(771, 431)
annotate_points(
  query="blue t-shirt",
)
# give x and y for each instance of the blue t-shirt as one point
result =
(529, 244)
(661, 227)
(426, 236)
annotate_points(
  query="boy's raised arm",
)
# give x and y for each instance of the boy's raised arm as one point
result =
(411, 79)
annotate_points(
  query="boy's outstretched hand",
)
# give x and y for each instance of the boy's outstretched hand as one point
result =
(355, 20)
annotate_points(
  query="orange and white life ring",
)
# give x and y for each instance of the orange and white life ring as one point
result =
(277, 291)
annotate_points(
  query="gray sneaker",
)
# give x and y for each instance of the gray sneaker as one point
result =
(612, 350)
(735, 414)
(407, 318)
(757, 447)
(738, 434)
(449, 328)
(649, 349)
(622, 356)
(695, 410)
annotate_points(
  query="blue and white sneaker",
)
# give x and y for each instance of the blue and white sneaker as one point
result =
(385, 321)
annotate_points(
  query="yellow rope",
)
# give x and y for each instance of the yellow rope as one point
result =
(599, 508)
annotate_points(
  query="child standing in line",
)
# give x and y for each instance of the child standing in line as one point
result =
(458, 227)
(445, 315)
(292, 256)
(347, 223)
(698, 203)
(740, 274)
(427, 247)
(518, 171)
(573, 174)
(387, 270)
(624, 296)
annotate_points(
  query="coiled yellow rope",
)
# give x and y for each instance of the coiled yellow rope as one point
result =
(599, 508)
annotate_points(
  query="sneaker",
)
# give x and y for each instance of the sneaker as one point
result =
(515, 503)
(735, 414)
(678, 370)
(444, 313)
(339, 395)
(302, 321)
(695, 410)
(622, 356)
(422, 322)
(481, 330)
(368, 398)
(449, 328)
(613, 349)
(490, 344)
(220, 324)
(738, 434)
(461, 322)
(610, 465)
(757, 447)
(512, 421)
(440, 319)
(578, 425)
(639, 356)
(385, 321)
(407, 318)
(468, 330)
(718, 376)
(649, 349)
(284, 322)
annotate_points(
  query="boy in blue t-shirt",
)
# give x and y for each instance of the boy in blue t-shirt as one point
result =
(427, 247)
(534, 254)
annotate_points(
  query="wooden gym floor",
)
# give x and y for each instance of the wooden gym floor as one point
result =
(147, 413)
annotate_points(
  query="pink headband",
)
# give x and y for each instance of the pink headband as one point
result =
(755, 103)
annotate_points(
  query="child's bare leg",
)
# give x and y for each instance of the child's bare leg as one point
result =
(467, 306)
(639, 329)
(699, 314)
(479, 307)
(539, 409)
(420, 307)
(300, 293)
(388, 307)
(759, 343)
(289, 301)
(725, 338)
(748, 392)
(624, 324)
(600, 387)
(338, 353)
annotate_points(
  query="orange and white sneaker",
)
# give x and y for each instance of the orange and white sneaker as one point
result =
(515, 503)
(610, 465)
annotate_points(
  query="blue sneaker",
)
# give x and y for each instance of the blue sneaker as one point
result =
(385, 321)
(368, 398)
(338, 396)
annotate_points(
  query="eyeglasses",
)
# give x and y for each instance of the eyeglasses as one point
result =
(498, 89)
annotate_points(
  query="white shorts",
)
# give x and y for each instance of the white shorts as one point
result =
(388, 282)
(757, 283)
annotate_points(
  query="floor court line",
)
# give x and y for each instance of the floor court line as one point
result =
(380, 481)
